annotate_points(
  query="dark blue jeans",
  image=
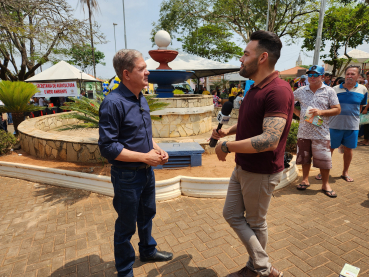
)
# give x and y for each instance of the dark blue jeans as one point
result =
(134, 201)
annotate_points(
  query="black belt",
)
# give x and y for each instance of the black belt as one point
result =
(133, 168)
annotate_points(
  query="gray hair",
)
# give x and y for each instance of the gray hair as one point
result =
(354, 66)
(125, 59)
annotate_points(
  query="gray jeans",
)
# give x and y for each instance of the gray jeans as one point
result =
(245, 210)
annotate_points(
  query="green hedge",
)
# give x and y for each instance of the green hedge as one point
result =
(292, 137)
(7, 141)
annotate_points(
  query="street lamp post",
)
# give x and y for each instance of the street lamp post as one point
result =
(80, 84)
(319, 33)
(267, 23)
(115, 41)
(124, 22)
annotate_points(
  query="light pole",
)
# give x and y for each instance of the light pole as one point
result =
(115, 41)
(267, 23)
(319, 33)
(124, 22)
(80, 84)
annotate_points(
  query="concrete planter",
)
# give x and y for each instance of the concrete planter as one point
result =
(165, 190)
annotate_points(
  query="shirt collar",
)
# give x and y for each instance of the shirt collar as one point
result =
(322, 86)
(267, 80)
(356, 85)
(125, 91)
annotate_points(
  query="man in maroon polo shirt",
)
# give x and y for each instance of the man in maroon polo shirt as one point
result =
(261, 132)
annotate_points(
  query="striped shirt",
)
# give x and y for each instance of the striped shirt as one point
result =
(350, 100)
(323, 99)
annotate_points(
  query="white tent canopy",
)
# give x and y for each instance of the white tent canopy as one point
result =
(202, 67)
(358, 55)
(62, 71)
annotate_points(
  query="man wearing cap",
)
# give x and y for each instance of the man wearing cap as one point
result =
(344, 128)
(327, 78)
(314, 141)
(300, 83)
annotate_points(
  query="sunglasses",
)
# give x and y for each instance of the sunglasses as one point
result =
(314, 75)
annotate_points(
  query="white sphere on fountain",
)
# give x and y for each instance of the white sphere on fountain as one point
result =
(162, 39)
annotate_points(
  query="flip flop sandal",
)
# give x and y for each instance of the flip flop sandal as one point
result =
(329, 193)
(347, 178)
(302, 187)
(318, 177)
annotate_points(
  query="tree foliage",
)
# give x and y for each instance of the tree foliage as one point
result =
(212, 42)
(81, 55)
(31, 29)
(344, 26)
(181, 18)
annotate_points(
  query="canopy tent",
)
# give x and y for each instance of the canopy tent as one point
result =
(202, 67)
(62, 71)
(358, 55)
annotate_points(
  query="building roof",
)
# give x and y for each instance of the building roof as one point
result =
(291, 71)
(360, 56)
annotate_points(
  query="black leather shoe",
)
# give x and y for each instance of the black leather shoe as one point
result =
(159, 256)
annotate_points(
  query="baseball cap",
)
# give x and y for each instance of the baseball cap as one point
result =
(303, 77)
(327, 73)
(316, 68)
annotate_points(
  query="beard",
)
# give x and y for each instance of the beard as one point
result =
(250, 69)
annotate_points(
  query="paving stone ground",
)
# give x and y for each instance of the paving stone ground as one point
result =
(53, 231)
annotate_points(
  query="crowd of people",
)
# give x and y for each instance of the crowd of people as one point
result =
(338, 108)
(233, 93)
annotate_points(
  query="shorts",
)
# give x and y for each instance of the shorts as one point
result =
(347, 138)
(319, 149)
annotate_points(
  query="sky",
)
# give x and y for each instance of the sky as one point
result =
(140, 14)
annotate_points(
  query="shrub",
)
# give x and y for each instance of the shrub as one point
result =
(7, 141)
(292, 137)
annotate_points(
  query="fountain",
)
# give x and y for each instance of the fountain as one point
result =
(187, 114)
(164, 76)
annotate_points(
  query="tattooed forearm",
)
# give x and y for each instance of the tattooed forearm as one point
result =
(272, 131)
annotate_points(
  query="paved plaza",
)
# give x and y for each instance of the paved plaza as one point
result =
(53, 231)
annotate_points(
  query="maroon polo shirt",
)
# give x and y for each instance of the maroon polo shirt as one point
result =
(271, 97)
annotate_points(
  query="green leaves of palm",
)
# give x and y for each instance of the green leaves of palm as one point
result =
(16, 96)
(86, 110)
(154, 105)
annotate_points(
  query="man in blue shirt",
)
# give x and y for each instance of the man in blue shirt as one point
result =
(344, 128)
(126, 141)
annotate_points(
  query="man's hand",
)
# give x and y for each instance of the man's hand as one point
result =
(153, 158)
(365, 111)
(220, 154)
(164, 155)
(220, 134)
(315, 112)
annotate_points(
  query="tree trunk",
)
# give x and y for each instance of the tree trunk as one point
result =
(17, 119)
(92, 37)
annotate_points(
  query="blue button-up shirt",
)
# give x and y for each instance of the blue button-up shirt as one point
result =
(124, 123)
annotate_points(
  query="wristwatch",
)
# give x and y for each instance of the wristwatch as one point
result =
(224, 147)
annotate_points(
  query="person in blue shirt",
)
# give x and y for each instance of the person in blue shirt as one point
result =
(344, 128)
(125, 140)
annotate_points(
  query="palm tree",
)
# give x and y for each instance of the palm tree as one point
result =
(87, 111)
(16, 96)
(92, 6)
